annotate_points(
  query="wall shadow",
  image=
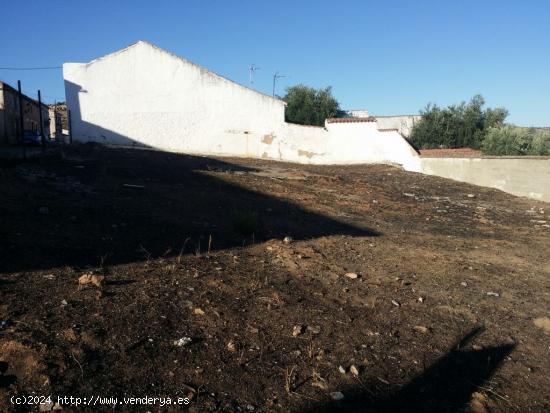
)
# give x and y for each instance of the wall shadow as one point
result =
(446, 386)
(100, 205)
(96, 205)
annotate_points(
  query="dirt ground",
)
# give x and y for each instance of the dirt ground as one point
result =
(247, 285)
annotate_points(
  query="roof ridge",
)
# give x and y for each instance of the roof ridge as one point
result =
(145, 42)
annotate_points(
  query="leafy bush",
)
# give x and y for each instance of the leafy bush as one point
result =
(456, 126)
(513, 140)
(309, 106)
(540, 145)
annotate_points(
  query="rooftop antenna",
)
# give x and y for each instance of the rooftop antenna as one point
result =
(252, 69)
(276, 76)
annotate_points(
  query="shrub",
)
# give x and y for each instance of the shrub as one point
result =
(513, 140)
(540, 145)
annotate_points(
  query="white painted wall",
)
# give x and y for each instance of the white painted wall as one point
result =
(143, 95)
(403, 123)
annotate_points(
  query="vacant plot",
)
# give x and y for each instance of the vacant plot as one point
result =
(257, 286)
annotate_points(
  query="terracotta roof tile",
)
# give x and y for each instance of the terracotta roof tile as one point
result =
(351, 120)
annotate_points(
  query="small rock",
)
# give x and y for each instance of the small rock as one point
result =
(182, 341)
(421, 329)
(354, 370)
(478, 403)
(314, 329)
(471, 196)
(250, 407)
(91, 278)
(464, 284)
(64, 302)
(542, 322)
(287, 240)
(351, 275)
(341, 369)
(44, 210)
(420, 299)
(477, 347)
(231, 346)
(493, 294)
(49, 407)
(297, 330)
(397, 303)
(198, 311)
(337, 395)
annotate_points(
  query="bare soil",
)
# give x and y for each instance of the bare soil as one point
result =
(203, 298)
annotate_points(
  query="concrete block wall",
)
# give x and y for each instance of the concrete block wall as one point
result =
(529, 177)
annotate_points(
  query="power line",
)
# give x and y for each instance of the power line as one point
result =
(31, 68)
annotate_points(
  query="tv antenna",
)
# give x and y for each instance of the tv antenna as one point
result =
(251, 70)
(276, 77)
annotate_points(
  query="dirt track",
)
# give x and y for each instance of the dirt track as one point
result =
(447, 311)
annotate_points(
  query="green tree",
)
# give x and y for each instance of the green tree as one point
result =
(514, 140)
(309, 106)
(456, 126)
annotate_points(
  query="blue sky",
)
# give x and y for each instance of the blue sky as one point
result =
(390, 57)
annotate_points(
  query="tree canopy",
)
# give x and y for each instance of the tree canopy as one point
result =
(456, 126)
(310, 106)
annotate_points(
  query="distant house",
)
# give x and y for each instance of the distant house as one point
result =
(58, 120)
(10, 129)
(357, 113)
(401, 123)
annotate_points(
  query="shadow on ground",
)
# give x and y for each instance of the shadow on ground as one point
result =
(446, 386)
(110, 206)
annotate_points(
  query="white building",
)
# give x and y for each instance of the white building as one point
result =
(401, 123)
(143, 95)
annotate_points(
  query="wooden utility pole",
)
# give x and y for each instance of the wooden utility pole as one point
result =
(21, 123)
(42, 137)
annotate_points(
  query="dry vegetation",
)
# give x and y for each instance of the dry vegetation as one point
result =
(258, 286)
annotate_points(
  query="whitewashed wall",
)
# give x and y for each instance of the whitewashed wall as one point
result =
(403, 123)
(143, 95)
